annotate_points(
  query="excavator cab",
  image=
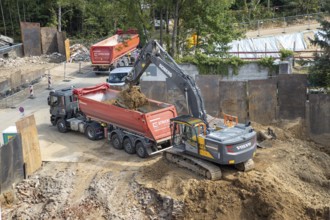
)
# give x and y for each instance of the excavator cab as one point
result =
(188, 134)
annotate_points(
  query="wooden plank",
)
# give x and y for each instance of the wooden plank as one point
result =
(30, 143)
(67, 49)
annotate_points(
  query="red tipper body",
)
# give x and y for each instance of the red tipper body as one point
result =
(111, 49)
(154, 124)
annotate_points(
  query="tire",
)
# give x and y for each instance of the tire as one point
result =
(61, 126)
(115, 141)
(90, 133)
(128, 146)
(141, 151)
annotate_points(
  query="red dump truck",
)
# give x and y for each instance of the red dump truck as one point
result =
(145, 131)
(114, 51)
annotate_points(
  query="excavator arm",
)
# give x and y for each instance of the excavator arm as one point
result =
(154, 53)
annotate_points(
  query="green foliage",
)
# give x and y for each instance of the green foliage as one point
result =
(319, 72)
(212, 21)
(52, 18)
(268, 62)
(213, 65)
(285, 54)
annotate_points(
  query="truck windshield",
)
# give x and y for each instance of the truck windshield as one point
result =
(117, 77)
(53, 101)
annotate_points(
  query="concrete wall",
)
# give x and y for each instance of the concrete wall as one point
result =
(249, 71)
(4, 87)
(155, 90)
(19, 80)
(319, 110)
(209, 86)
(318, 116)
(262, 99)
(292, 96)
(233, 99)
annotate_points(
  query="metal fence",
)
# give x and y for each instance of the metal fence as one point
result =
(282, 22)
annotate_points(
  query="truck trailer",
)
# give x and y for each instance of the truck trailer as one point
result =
(117, 50)
(144, 131)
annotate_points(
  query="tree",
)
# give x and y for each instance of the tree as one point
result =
(213, 23)
(320, 70)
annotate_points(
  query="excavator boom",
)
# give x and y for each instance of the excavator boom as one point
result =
(154, 53)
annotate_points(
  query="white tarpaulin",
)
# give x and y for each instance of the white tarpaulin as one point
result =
(294, 42)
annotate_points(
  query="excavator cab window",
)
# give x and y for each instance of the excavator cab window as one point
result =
(177, 133)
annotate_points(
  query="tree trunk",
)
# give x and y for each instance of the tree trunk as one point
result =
(167, 29)
(3, 19)
(12, 24)
(161, 27)
(24, 11)
(175, 29)
(19, 16)
(59, 18)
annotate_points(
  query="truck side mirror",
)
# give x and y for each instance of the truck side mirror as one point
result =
(107, 80)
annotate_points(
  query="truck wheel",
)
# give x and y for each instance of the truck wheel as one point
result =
(141, 151)
(90, 133)
(115, 141)
(128, 146)
(61, 126)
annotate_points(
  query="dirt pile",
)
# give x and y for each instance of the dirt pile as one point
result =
(291, 181)
(79, 53)
(131, 98)
(72, 191)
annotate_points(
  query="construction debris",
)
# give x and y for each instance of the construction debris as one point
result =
(79, 53)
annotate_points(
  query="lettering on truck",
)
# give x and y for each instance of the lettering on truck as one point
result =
(101, 54)
(243, 146)
(157, 123)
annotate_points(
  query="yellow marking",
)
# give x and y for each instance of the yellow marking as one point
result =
(202, 148)
(231, 161)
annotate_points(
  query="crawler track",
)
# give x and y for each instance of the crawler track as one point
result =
(201, 167)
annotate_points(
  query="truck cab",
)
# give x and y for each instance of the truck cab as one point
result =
(65, 114)
(62, 104)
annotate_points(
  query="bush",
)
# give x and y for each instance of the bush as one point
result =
(285, 54)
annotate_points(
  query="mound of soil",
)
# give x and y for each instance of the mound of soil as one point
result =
(132, 98)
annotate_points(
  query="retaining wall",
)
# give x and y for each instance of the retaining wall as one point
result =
(19, 80)
(292, 94)
(263, 101)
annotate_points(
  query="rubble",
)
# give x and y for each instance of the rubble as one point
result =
(18, 61)
(79, 53)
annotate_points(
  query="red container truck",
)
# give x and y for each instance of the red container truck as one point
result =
(114, 51)
(145, 131)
